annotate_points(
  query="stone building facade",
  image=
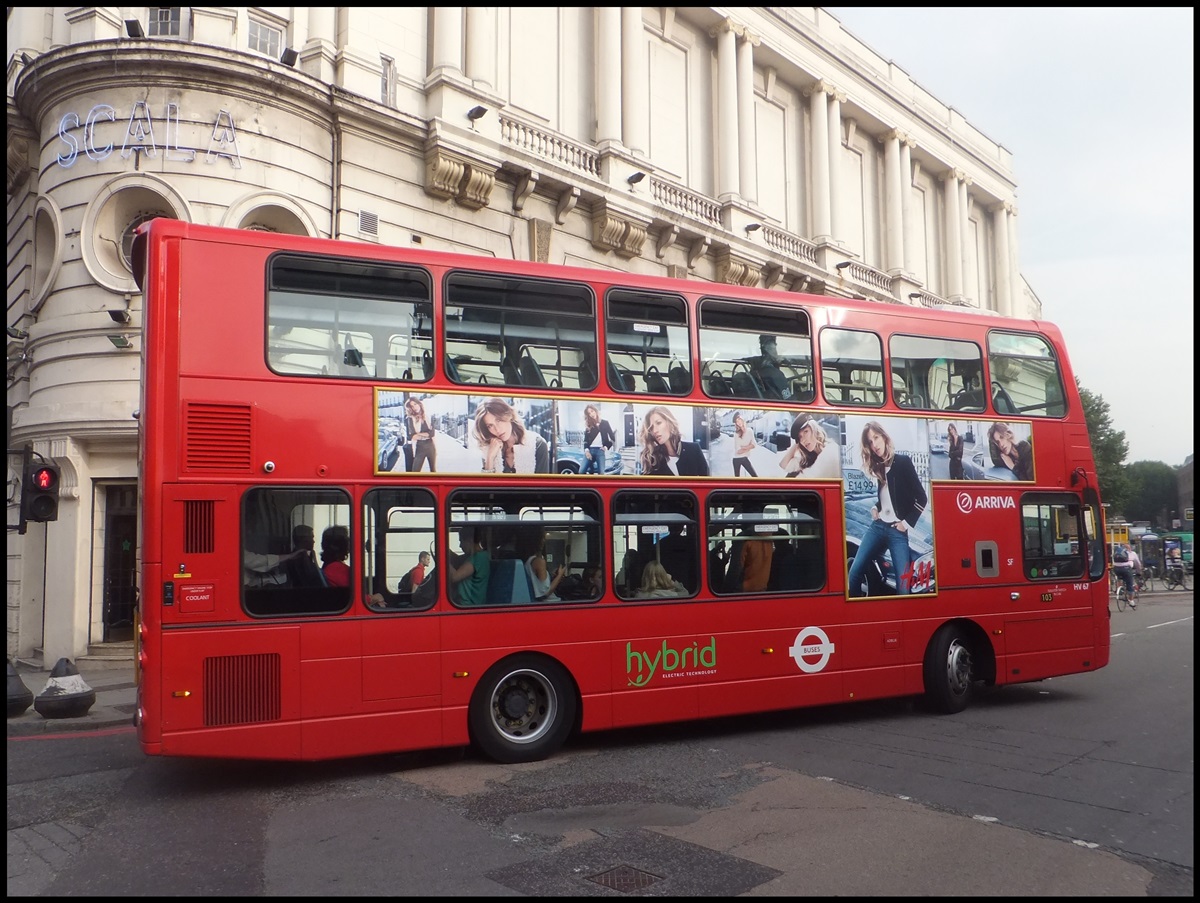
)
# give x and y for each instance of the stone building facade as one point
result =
(764, 146)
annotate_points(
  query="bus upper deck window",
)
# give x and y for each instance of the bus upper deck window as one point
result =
(516, 331)
(648, 350)
(346, 318)
(1026, 378)
(755, 351)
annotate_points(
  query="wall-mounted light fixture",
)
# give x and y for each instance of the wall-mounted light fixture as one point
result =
(842, 265)
(119, 316)
(636, 177)
(120, 341)
(914, 296)
(133, 28)
(289, 56)
(26, 59)
(17, 333)
(476, 113)
(753, 227)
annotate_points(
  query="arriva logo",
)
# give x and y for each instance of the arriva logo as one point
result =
(641, 667)
(968, 503)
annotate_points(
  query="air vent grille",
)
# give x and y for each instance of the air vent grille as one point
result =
(198, 526)
(217, 438)
(241, 689)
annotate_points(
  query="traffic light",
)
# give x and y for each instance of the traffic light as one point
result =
(39, 492)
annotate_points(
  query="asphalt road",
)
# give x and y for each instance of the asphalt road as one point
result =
(1075, 786)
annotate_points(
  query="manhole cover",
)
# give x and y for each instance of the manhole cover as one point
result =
(625, 878)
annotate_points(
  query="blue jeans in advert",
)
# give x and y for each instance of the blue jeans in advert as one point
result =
(596, 464)
(881, 537)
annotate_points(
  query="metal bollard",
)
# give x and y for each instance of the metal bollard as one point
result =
(67, 694)
(20, 697)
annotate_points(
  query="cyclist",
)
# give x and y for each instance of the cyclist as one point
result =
(1123, 568)
(1135, 560)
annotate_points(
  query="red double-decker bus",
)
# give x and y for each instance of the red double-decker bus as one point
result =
(395, 500)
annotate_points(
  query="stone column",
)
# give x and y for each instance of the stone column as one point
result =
(608, 85)
(906, 202)
(1004, 304)
(836, 214)
(893, 178)
(964, 231)
(819, 113)
(635, 83)
(481, 46)
(747, 144)
(1017, 296)
(447, 39)
(320, 48)
(729, 172)
(952, 252)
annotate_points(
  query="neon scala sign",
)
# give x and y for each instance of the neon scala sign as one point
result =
(139, 136)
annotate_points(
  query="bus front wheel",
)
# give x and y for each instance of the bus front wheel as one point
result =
(522, 710)
(949, 673)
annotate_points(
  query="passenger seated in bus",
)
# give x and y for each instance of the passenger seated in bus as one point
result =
(756, 564)
(335, 549)
(593, 581)
(658, 584)
(768, 371)
(544, 583)
(469, 575)
(416, 576)
(265, 569)
(303, 570)
(678, 555)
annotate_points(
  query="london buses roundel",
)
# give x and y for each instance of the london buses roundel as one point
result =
(811, 650)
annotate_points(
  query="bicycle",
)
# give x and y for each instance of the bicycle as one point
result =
(1175, 578)
(1126, 596)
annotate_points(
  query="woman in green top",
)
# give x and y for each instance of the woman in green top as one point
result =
(470, 576)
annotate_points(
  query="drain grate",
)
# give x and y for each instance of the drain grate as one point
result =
(625, 878)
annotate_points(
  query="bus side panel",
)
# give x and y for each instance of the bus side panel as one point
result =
(476, 640)
(401, 658)
(765, 670)
(331, 667)
(213, 703)
(382, 732)
(771, 694)
(1048, 647)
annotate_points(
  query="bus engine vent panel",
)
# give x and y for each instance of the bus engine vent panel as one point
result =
(241, 689)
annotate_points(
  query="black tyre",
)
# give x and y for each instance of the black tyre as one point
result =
(568, 467)
(522, 710)
(949, 672)
(1122, 596)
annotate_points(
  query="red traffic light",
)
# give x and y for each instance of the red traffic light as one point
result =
(45, 478)
(39, 493)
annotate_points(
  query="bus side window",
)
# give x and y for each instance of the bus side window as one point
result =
(282, 573)
(764, 541)
(852, 367)
(400, 564)
(647, 343)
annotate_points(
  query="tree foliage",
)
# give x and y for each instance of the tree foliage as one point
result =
(1142, 491)
(1153, 492)
(1109, 448)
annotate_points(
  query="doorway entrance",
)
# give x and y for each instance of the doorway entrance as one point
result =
(120, 563)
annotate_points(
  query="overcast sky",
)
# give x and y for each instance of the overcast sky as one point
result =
(1096, 106)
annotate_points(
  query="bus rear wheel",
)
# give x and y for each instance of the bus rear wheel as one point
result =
(522, 710)
(948, 671)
